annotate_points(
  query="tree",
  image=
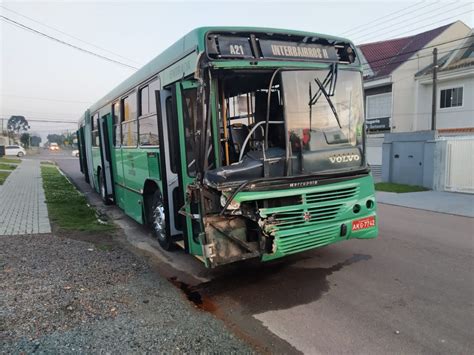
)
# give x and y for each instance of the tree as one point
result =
(69, 138)
(56, 138)
(17, 123)
(25, 140)
(35, 141)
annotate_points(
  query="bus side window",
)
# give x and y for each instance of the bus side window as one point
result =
(95, 130)
(129, 123)
(153, 86)
(116, 123)
(147, 123)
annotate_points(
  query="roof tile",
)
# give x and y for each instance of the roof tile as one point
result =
(386, 56)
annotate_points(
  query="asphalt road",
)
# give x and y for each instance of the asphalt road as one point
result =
(409, 291)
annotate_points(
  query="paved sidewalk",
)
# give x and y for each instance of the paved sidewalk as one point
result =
(22, 202)
(436, 201)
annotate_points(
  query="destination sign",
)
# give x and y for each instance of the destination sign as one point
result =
(235, 47)
(281, 49)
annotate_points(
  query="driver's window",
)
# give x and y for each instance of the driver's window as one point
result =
(244, 101)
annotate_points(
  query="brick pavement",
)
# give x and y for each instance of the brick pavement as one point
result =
(22, 202)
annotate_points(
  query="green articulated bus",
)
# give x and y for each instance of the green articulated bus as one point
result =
(237, 143)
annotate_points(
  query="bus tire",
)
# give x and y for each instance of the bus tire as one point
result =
(103, 193)
(157, 221)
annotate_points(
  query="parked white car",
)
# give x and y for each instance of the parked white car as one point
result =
(75, 153)
(15, 150)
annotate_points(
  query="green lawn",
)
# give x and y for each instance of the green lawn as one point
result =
(10, 160)
(68, 208)
(399, 188)
(3, 176)
(4, 166)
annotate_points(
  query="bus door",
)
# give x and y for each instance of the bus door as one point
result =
(178, 107)
(105, 134)
(169, 159)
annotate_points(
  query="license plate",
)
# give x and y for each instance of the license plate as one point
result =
(363, 223)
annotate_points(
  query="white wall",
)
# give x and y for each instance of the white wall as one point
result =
(452, 117)
(403, 79)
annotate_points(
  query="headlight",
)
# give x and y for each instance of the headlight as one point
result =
(234, 205)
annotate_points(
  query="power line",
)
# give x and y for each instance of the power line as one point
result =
(46, 99)
(404, 25)
(24, 27)
(17, 111)
(67, 34)
(417, 50)
(431, 24)
(419, 18)
(44, 120)
(371, 27)
(371, 23)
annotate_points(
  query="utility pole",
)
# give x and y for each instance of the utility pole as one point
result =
(435, 82)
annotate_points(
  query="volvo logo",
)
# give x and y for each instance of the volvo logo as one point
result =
(344, 158)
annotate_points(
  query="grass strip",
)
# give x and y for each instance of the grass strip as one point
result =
(398, 188)
(67, 208)
(4, 166)
(10, 160)
(3, 176)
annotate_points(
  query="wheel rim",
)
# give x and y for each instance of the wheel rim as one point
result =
(159, 221)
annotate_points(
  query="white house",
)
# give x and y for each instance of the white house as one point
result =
(391, 86)
(455, 92)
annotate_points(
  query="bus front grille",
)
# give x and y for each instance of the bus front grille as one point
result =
(306, 225)
(302, 241)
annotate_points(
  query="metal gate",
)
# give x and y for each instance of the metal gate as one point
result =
(459, 175)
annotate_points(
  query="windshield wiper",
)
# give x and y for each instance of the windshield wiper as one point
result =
(326, 95)
(331, 79)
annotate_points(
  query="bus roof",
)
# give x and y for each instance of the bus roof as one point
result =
(194, 40)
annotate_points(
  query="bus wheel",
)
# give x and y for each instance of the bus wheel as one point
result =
(158, 222)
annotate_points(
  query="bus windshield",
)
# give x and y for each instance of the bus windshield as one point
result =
(324, 117)
(309, 122)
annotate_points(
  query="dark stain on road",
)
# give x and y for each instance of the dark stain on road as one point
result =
(275, 286)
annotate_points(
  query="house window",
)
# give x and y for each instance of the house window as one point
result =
(451, 97)
(379, 106)
(378, 112)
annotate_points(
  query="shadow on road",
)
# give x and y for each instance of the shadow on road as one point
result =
(275, 286)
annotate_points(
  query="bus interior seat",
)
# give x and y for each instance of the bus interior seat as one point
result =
(238, 133)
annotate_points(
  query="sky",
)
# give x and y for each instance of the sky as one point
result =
(43, 79)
